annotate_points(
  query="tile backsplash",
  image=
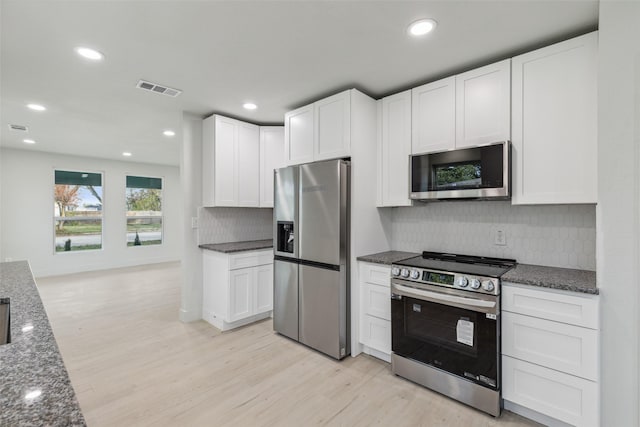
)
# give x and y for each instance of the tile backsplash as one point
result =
(555, 235)
(221, 225)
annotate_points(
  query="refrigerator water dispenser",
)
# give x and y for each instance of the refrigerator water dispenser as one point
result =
(285, 236)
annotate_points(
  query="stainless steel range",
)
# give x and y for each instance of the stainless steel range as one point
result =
(445, 322)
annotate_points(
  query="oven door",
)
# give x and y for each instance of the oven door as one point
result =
(449, 331)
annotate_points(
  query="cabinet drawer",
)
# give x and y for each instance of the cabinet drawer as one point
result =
(376, 300)
(250, 259)
(559, 346)
(567, 398)
(552, 305)
(375, 273)
(376, 333)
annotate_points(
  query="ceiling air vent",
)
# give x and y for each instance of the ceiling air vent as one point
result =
(163, 90)
(20, 128)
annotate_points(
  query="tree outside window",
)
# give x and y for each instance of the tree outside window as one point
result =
(77, 211)
(144, 211)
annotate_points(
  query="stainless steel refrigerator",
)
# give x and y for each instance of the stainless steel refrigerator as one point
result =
(311, 255)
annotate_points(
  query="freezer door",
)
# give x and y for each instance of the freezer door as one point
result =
(323, 310)
(285, 211)
(285, 298)
(323, 212)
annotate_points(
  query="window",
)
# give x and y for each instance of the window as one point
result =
(144, 211)
(77, 211)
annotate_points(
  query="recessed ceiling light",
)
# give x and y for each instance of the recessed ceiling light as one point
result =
(89, 53)
(168, 132)
(249, 106)
(28, 141)
(126, 154)
(422, 27)
(36, 107)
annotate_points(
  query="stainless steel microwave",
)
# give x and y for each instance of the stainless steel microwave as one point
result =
(482, 172)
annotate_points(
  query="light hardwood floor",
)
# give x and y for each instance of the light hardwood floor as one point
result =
(133, 363)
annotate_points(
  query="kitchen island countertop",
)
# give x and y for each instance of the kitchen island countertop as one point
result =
(35, 389)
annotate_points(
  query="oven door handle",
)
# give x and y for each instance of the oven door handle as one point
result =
(463, 302)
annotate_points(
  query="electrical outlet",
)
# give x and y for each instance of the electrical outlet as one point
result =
(194, 222)
(500, 238)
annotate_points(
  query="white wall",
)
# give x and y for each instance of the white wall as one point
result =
(27, 227)
(191, 186)
(555, 235)
(618, 222)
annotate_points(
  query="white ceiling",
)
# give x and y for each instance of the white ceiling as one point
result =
(280, 55)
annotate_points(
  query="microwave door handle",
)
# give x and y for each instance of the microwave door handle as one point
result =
(443, 298)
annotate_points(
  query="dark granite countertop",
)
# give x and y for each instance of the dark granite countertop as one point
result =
(388, 257)
(251, 245)
(35, 389)
(566, 279)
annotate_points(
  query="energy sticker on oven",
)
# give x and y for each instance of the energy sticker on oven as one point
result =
(417, 308)
(464, 332)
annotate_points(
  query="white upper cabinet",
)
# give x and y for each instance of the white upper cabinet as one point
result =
(298, 135)
(555, 123)
(248, 173)
(226, 186)
(332, 127)
(433, 112)
(319, 131)
(483, 104)
(394, 150)
(271, 157)
(230, 163)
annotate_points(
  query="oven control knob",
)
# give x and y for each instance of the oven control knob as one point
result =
(461, 282)
(487, 285)
(395, 271)
(474, 283)
(404, 272)
(415, 274)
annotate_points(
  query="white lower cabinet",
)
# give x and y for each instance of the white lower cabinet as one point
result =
(237, 288)
(550, 355)
(375, 309)
(555, 394)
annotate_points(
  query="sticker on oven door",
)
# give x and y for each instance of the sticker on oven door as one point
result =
(417, 308)
(464, 332)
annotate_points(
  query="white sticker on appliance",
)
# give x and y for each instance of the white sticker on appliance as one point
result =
(464, 332)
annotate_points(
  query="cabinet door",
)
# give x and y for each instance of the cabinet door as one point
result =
(564, 397)
(248, 161)
(395, 150)
(555, 123)
(376, 333)
(433, 116)
(241, 289)
(332, 127)
(376, 300)
(225, 162)
(298, 135)
(565, 348)
(271, 157)
(483, 99)
(208, 161)
(264, 289)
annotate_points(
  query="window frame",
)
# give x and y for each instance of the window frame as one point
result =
(102, 215)
(161, 216)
